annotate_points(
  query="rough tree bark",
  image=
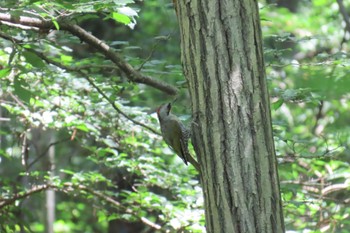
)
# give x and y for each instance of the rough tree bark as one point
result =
(223, 61)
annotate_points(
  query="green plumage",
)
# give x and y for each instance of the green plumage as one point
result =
(174, 132)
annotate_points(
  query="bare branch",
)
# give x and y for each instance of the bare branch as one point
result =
(132, 74)
(149, 56)
(27, 21)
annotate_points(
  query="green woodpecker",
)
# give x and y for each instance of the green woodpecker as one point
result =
(174, 132)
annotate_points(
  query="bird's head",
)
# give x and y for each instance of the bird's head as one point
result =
(163, 110)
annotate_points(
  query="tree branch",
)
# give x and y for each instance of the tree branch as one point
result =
(117, 109)
(19, 196)
(69, 187)
(78, 70)
(132, 74)
(48, 60)
(344, 13)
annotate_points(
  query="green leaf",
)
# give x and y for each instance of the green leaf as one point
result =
(16, 14)
(5, 72)
(82, 127)
(276, 105)
(121, 18)
(54, 21)
(66, 59)
(12, 55)
(33, 59)
(113, 216)
(67, 171)
(111, 143)
(20, 91)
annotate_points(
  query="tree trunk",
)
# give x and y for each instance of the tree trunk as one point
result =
(50, 194)
(223, 61)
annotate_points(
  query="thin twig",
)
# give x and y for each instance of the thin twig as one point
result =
(117, 109)
(45, 151)
(18, 101)
(294, 156)
(149, 56)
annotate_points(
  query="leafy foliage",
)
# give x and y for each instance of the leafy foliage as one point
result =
(56, 94)
(306, 65)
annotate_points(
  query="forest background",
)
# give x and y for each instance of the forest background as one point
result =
(80, 149)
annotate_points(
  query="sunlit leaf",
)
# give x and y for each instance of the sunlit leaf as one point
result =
(121, 18)
(276, 105)
(5, 72)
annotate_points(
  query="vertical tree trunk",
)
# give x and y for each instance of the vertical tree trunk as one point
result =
(50, 194)
(223, 61)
